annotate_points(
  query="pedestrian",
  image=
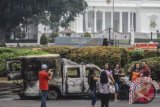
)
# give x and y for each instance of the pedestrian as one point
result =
(109, 73)
(145, 71)
(104, 89)
(92, 79)
(134, 71)
(116, 76)
(44, 76)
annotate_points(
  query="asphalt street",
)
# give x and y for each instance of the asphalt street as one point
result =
(13, 101)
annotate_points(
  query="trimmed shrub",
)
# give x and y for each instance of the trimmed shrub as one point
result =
(9, 53)
(53, 36)
(140, 54)
(136, 55)
(44, 40)
(98, 55)
(87, 34)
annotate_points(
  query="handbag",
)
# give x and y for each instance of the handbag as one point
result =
(111, 88)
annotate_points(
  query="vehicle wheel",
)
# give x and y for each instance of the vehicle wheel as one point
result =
(124, 93)
(52, 94)
(22, 96)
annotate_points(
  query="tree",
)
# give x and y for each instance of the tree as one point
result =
(52, 12)
(53, 36)
(44, 40)
(87, 34)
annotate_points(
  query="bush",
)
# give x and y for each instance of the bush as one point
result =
(136, 55)
(87, 34)
(44, 40)
(52, 36)
(9, 53)
(98, 55)
(140, 54)
(154, 65)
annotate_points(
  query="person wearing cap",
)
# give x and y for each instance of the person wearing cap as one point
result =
(44, 76)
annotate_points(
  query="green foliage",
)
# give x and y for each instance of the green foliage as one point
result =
(98, 55)
(9, 53)
(136, 55)
(125, 57)
(53, 36)
(49, 12)
(44, 40)
(148, 40)
(87, 34)
(62, 50)
(140, 54)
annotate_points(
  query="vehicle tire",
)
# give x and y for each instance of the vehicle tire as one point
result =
(22, 96)
(124, 93)
(52, 94)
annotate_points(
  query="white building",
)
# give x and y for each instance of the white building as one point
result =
(125, 16)
(137, 17)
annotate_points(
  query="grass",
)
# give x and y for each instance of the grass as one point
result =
(5, 80)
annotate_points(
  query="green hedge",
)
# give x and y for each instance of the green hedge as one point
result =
(97, 55)
(140, 54)
(154, 65)
(7, 53)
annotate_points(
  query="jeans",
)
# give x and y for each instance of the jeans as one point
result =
(44, 97)
(117, 87)
(104, 100)
(94, 97)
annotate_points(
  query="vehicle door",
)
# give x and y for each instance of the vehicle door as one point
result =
(13, 69)
(86, 72)
(74, 80)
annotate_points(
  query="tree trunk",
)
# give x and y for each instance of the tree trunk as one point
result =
(2, 37)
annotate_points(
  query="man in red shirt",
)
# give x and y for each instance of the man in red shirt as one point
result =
(44, 76)
(145, 71)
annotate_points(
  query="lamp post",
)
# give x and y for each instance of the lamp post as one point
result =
(93, 21)
(112, 24)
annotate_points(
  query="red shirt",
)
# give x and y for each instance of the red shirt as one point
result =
(43, 80)
(145, 71)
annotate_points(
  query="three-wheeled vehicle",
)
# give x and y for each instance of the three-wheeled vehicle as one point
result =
(69, 78)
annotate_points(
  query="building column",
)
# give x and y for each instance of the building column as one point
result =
(103, 21)
(86, 21)
(132, 22)
(112, 18)
(129, 22)
(81, 24)
(132, 30)
(95, 22)
(120, 24)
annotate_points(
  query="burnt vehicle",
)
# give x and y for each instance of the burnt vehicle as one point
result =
(69, 78)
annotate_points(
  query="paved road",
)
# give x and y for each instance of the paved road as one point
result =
(13, 101)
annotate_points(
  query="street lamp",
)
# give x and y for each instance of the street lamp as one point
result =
(93, 21)
(112, 24)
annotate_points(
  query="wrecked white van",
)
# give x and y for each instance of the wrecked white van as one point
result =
(69, 78)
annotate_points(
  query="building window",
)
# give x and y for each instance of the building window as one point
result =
(116, 21)
(134, 21)
(125, 22)
(90, 20)
(99, 21)
(108, 19)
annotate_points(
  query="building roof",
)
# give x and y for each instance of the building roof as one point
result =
(66, 31)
